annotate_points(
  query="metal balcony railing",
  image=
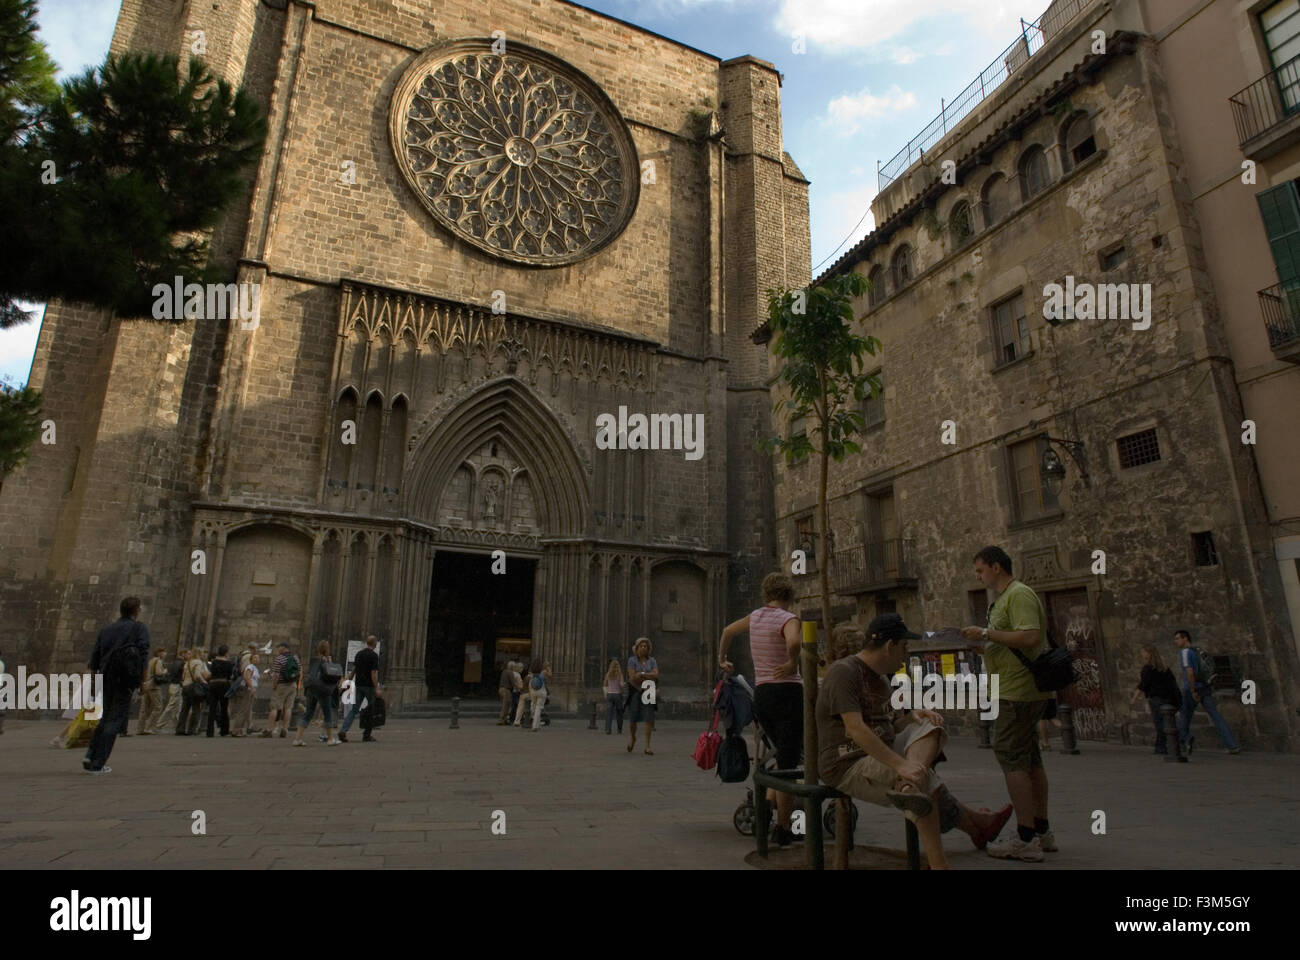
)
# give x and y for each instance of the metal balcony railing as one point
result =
(1032, 37)
(1281, 308)
(1268, 101)
(870, 565)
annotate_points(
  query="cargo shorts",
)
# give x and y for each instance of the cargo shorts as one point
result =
(1015, 734)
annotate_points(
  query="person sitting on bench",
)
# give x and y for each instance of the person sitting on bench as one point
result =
(872, 751)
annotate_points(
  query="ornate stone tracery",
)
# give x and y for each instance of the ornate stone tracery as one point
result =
(518, 154)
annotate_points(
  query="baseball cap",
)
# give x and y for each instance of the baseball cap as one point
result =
(890, 626)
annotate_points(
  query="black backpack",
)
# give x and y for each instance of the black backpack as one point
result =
(124, 666)
(733, 760)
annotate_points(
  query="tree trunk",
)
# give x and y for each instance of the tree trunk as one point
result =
(808, 665)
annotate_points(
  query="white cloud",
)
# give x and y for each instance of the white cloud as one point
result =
(878, 25)
(846, 113)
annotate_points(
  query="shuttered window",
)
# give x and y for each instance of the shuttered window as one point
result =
(1279, 207)
(1280, 25)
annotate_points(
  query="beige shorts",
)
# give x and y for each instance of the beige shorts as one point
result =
(282, 697)
(870, 780)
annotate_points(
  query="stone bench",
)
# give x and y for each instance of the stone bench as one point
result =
(814, 795)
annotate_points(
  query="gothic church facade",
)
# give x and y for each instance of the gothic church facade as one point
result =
(474, 229)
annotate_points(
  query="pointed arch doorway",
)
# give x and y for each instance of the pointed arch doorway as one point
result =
(497, 507)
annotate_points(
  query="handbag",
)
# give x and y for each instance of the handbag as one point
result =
(706, 747)
(199, 690)
(331, 672)
(1052, 671)
(375, 713)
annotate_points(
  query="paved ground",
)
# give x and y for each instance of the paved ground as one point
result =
(424, 797)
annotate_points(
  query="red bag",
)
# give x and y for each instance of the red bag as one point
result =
(706, 748)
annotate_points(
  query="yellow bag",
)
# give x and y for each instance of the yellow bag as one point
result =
(80, 730)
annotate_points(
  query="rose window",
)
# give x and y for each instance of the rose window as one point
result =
(518, 154)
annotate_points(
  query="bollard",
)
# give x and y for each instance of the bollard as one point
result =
(984, 734)
(1068, 742)
(1169, 714)
(591, 724)
(455, 713)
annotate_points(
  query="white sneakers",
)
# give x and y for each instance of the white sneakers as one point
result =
(1017, 849)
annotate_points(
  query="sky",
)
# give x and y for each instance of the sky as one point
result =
(861, 78)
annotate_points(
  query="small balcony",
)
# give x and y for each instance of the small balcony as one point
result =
(1267, 112)
(1280, 305)
(881, 565)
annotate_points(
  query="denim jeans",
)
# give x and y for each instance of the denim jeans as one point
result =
(117, 706)
(326, 702)
(1207, 701)
(363, 693)
(613, 708)
(1156, 703)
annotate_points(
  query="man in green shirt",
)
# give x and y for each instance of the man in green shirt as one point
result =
(1017, 622)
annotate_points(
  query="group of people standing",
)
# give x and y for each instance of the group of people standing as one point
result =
(178, 690)
(519, 691)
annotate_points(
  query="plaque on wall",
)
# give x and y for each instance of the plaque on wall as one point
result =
(673, 622)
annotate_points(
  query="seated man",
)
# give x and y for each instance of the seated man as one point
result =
(876, 753)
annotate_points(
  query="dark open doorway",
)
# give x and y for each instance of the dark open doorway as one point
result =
(477, 621)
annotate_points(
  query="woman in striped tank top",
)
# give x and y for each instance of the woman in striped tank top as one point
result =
(778, 690)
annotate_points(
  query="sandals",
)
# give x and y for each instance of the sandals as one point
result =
(912, 801)
(649, 752)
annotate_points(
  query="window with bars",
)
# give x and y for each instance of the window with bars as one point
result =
(1138, 448)
(902, 268)
(1034, 176)
(960, 225)
(879, 291)
(1010, 329)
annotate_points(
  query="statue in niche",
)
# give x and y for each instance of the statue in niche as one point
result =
(491, 497)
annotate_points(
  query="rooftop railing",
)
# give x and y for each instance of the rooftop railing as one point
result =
(1032, 37)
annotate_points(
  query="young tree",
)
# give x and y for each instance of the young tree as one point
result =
(112, 182)
(825, 379)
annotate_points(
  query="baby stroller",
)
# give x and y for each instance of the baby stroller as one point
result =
(765, 759)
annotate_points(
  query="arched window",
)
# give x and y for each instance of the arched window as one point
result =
(342, 441)
(996, 199)
(960, 225)
(900, 268)
(1077, 141)
(878, 292)
(368, 442)
(396, 443)
(1033, 173)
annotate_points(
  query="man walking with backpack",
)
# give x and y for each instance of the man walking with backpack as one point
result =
(121, 654)
(1197, 672)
